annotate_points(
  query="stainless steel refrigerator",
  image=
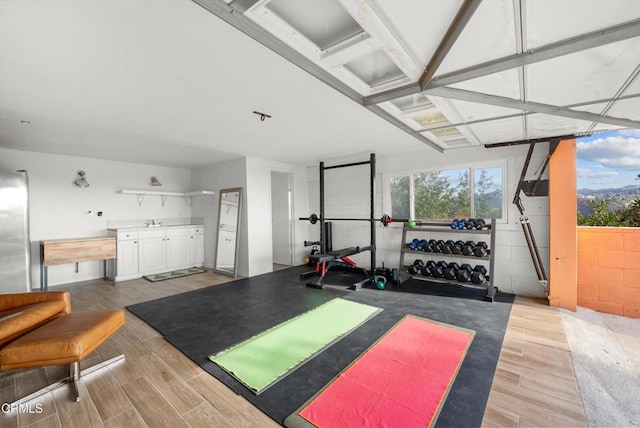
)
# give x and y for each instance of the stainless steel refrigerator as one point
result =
(15, 260)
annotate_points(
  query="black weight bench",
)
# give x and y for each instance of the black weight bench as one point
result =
(338, 259)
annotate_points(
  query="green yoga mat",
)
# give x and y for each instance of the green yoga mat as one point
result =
(264, 359)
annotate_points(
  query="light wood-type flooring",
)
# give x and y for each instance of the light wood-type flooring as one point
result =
(157, 386)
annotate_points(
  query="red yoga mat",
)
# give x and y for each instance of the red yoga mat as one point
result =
(401, 381)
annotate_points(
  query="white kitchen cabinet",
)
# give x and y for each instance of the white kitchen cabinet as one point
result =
(178, 247)
(196, 251)
(145, 251)
(127, 253)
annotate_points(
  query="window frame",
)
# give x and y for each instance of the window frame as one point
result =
(386, 199)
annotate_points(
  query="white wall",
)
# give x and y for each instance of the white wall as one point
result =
(347, 195)
(58, 208)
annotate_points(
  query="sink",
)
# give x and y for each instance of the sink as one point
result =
(154, 225)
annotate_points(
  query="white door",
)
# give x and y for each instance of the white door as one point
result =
(281, 217)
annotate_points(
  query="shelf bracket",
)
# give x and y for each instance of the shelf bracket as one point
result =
(164, 199)
(187, 199)
(140, 200)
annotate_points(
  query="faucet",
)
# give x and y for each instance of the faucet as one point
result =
(152, 223)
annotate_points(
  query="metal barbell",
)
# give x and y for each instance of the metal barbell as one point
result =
(385, 219)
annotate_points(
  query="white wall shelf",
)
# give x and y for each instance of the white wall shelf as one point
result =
(164, 195)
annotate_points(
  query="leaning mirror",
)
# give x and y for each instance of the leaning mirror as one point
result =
(228, 222)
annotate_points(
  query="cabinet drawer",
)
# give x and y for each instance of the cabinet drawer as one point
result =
(147, 234)
(126, 235)
(197, 230)
(177, 231)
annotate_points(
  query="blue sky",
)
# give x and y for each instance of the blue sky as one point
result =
(609, 159)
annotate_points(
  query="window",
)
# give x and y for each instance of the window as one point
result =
(444, 195)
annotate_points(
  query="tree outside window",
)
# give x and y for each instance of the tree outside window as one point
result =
(444, 195)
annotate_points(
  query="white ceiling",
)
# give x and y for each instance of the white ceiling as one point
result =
(170, 83)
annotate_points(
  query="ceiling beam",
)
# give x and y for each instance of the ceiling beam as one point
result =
(458, 24)
(528, 113)
(553, 50)
(237, 20)
(625, 86)
(476, 97)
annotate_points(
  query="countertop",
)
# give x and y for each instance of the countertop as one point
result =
(139, 228)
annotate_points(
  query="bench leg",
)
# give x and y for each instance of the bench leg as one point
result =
(74, 377)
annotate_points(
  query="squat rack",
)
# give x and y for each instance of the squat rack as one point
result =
(372, 221)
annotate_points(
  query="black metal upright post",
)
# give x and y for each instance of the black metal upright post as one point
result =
(322, 246)
(372, 181)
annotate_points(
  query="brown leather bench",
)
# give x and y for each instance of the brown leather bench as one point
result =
(63, 337)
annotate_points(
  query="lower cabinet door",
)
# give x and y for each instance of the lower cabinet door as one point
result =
(127, 257)
(151, 254)
(178, 251)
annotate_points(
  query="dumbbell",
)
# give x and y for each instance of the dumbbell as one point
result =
(432, 245)
(458, 224)
(479, 274)
(464, 273)
(439, 246)
(413, 245)
(438, 270)
(427, 248)
(457, 247)
(451, 271)
(480, 250)
(415, 267)
(427, 270)
(467, 248)
(470, 223)
(447, 248)
(479, 223)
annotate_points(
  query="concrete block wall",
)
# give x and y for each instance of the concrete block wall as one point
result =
(609, 270)
(347, 195)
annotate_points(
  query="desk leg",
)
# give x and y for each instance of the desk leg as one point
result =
(44, 284)
(43, 271)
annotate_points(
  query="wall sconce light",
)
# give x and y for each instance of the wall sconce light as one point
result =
(81, 181)
(155, 181)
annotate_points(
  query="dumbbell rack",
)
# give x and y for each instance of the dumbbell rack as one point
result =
(445, 228)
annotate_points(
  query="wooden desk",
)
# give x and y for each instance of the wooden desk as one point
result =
(78, 250)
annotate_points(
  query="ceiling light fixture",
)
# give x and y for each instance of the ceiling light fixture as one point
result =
(81, 181)
(263, 116)
(155, 181)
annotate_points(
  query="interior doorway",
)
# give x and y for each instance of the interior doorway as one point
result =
(282, 218)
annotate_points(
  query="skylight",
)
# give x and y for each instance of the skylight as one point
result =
(323, 22)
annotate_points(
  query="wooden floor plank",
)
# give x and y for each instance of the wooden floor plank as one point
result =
(108, 398)
(206, 416)
(154, 409)
(233, 407)
(52, 421)
(170, 385)
(73, 413)
(129, 419)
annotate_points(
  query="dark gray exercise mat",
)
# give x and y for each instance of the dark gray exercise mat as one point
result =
(207, 320)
